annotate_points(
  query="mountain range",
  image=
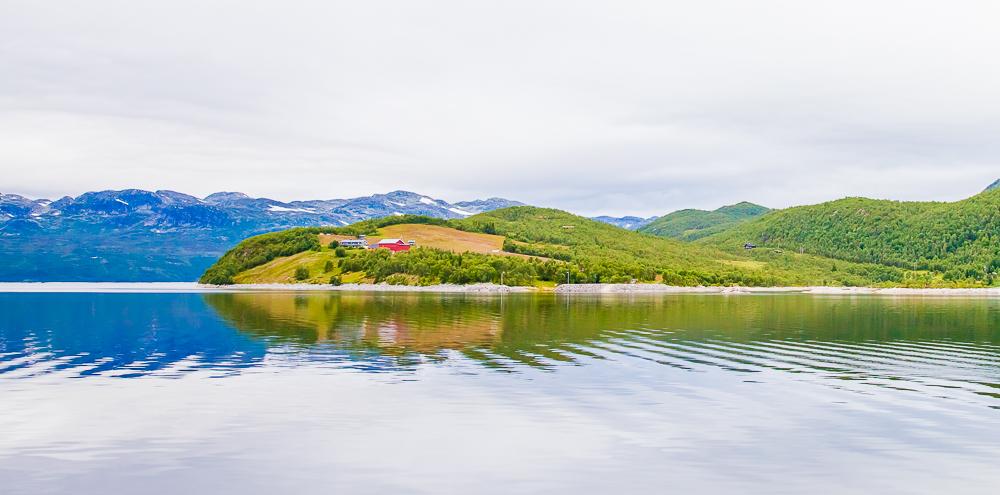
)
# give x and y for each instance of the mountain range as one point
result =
(137, 235)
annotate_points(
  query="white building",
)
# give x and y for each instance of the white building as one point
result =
(354, 243)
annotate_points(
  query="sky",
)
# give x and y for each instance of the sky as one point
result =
(614, 107)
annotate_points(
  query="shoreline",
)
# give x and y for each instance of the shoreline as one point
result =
(486, 289)
(383, 287)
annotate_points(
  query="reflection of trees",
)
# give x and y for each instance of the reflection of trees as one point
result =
(535, 329)
(393, 323)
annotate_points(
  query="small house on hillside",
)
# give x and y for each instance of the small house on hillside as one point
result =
(395, 245)
(355, 243)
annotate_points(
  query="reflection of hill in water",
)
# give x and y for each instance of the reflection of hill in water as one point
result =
(366, 325)
(427, 322)
(918, 344)
(540, 330)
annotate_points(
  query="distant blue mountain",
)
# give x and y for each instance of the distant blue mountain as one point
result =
(994, 185)
(629, 223)
(137, 235)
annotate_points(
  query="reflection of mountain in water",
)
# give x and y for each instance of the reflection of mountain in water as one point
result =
(122, 334)
(875, 340)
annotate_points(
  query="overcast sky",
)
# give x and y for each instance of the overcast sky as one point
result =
(596, 107)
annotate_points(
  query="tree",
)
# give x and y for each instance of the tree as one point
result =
(334, 244)
(340, 252)
(328, 266)
(301, 273)
(335, 280)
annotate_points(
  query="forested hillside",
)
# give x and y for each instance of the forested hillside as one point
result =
(539, 245)
(954, 242)
(689, 225)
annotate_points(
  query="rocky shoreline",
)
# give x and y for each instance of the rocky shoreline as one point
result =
(611, 289)
(816, 290)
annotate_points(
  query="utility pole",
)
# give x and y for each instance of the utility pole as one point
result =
(567, 277)
(501, 277)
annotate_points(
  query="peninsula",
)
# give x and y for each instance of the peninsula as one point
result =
(846, 243)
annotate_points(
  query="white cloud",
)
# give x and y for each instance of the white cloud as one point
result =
(596, 107)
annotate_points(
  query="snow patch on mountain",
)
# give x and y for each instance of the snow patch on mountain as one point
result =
(283, 209)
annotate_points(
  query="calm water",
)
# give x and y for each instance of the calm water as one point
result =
(407, 393)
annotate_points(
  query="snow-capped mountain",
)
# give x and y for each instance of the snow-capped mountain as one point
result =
(169, 209)
(490, 204)
(630, 223)
(133, 235)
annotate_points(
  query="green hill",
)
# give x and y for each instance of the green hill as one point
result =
(955, 242)
(689, 225)
(537, 246)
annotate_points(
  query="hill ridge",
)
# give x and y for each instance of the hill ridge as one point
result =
(692, 224)
(957, 241)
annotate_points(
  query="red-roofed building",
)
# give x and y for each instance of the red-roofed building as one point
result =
(394, 245)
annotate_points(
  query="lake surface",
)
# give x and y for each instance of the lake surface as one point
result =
(419, 393)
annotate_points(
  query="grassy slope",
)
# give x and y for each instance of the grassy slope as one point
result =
(439, 237)
(282, 270)
(693, 224)
(953, 243)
